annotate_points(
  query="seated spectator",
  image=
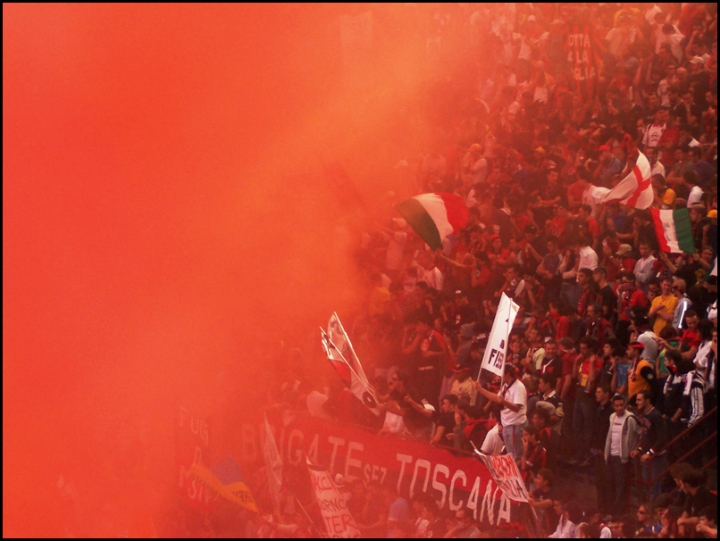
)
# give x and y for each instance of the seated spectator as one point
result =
(707, 523)
(647, 521)
(541, 499)
(570, 516)
(698, 498)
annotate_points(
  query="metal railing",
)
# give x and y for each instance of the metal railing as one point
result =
(648, 484)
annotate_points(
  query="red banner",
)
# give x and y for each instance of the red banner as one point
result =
(414, 467)
(191, 448)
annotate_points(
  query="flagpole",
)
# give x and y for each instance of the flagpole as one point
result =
(352, 349)
(364, 383)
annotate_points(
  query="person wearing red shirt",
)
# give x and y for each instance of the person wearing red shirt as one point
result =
(585, 373)
(690, 338)
(629, 296)
(558, 223)
(496, 253)
(593, 227)
(587, 296)
(668, 142)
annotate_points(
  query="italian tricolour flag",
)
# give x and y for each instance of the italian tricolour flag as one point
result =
(674, 230)
(434, 216)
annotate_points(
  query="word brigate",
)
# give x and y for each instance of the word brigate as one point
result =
(455, 482)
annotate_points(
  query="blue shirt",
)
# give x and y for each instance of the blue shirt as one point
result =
(399, 511)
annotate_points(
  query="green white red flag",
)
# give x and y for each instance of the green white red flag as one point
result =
(434, 216)
(673, 230)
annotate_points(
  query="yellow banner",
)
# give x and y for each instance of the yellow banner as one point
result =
(237, 492)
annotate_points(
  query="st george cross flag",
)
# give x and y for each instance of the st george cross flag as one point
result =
(496, 350)
(673, 230)
(434, 216)
(635, 190)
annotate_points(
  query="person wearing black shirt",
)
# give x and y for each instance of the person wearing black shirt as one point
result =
(697, 498)
(542, 498)
(601, 426)
(654, 436)
(606, 296)
(444, 420)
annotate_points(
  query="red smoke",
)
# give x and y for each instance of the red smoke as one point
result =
(166, 223)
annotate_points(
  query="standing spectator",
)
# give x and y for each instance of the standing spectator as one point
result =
(653, 457)
(601, 425)
(534, 456)
(606, 296)
(586, 295)
(629, 297)
(641, 375)
(695, 192)
(663, 306)
(654, 131)
(598, 327)
(683, 304)
(621, 440)
(513, 399)
(644, 270)
(585, 370)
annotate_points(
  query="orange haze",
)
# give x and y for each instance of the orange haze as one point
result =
(166, 222)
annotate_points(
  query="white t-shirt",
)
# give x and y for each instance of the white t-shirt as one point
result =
(515, 394)
(394, 423)
(695, 196)
(616, 435)
(658, 169)
(493, 443)
(395, 250)
(433, 278)
(588, 258)
(652, 135)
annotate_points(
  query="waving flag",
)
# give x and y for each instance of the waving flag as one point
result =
(339, 337)
(635, 190)
(496, 350)
(226, 480)
(345, 362)
(434, 216)
(674, 230)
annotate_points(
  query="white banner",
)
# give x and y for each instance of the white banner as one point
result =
(496, 350)
(338, 520)
(341, 354)
(505, 473)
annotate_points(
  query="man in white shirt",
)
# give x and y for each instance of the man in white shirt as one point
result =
(622, 438)
(513, 399)
(644, 271)
(695, 196)
(654, 131)
(657, 167)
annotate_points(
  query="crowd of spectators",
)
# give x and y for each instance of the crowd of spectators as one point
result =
(613, 353)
